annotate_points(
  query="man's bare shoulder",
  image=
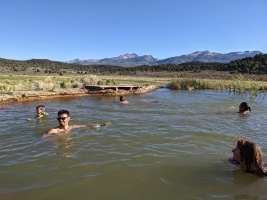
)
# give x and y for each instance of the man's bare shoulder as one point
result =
(57, 129)
(51, 132)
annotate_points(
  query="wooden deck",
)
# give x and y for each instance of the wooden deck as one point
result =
(113, 87)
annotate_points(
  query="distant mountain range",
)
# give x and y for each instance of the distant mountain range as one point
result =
(131, 60)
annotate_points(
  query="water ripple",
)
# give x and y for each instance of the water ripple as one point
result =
(163, 144)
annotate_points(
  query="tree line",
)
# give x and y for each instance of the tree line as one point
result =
(250, 65)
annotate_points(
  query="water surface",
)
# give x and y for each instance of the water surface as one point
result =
(162, 145)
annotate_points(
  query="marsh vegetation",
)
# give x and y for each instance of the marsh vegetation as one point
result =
(245, 75)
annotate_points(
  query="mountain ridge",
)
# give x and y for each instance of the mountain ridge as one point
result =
(132, 59)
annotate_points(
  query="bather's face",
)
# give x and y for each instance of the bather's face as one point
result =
(39, 110)
(236, 154)
(63, 119)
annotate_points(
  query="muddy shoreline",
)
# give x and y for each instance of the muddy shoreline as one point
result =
(27, 96)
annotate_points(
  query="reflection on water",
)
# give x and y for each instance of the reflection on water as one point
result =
(162, 145)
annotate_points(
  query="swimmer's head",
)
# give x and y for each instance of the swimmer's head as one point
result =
(40, 109)
(244, 106)
(122, 98)
(61, 112)
(250, 155)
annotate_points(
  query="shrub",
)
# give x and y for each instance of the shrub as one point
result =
(102, 82)
(49, 86)
(63, 85)
(111, 82)
(76, 85)
(90, 80)
(38, 85)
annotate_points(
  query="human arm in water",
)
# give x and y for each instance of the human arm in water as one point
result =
(98, 125)
(39, 116)
(66, 129)
(30, 119)
(91, 125)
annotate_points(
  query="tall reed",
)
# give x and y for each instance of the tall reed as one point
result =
(239, 85)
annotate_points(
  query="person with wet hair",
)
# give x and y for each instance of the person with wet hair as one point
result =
(122, 100)
(244, 108)
(249, 155)
(63, 120)
(40, 111)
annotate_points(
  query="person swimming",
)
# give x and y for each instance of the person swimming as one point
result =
(122, 100)
(244, 108)
(40, 111)
(249, 155)
(63, 120)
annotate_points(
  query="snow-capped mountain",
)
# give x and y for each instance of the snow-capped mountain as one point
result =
(127, 60)
(208, 56)
(130, 60)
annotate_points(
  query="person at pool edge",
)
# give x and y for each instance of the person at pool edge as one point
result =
(244, 108)
(63, 120)
(40, 110)
(249, 155)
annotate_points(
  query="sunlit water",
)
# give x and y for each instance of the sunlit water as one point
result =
(162, 145)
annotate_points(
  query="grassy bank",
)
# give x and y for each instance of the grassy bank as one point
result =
(9, 83)
(239, 84)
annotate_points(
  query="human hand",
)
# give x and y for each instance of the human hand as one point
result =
(96, 125)
(99, 125)
(107, 123)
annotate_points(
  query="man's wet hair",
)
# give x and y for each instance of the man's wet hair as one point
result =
(61, 112)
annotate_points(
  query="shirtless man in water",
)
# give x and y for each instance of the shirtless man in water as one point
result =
(63, 120)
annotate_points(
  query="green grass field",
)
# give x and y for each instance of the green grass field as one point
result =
(9, 83)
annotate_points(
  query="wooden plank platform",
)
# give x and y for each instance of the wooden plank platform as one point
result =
(113, 87)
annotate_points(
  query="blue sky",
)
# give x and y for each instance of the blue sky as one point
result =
(63, 30)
